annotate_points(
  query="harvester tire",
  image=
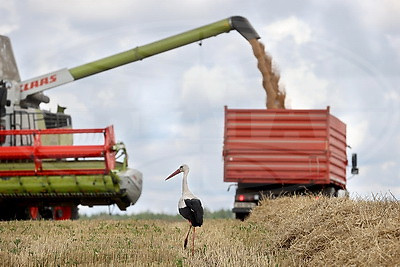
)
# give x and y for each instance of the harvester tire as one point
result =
(74, 213)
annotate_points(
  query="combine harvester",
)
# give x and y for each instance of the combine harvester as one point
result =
(42, 173)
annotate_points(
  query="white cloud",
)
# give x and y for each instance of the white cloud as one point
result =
(6, 29)
(103, 9)
(392, 95)
(199, 82)
(211, 86)
(379, 15)
(217, 86)
(394, 42)
(304, 88)
(357, 132)
(9, 17)
(109, 11)
(107, 98)
(292, 27)
(388, 165)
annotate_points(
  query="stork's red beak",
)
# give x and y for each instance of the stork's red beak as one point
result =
(173, 174)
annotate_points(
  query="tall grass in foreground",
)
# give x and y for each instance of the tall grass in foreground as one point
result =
(286, 231)
(330, 232)
(124, 243)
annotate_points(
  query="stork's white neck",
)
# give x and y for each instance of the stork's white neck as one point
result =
(185, 187)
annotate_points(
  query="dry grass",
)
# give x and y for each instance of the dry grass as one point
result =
(288, 231)
(330, 232)
(123, 243)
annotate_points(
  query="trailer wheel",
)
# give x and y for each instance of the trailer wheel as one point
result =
(329, 191)
(342, 193)
(241, 215)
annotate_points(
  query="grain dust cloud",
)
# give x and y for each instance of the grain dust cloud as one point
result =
(275, 96)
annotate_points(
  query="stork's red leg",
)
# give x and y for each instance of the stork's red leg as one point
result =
(187, 236)
(194, 233)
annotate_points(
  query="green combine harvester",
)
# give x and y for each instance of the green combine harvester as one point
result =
(43, 174)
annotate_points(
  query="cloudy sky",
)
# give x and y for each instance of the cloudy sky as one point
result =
(168, 109)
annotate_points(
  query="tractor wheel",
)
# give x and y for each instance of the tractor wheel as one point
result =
(74, 213)
(241, 215)
(46, 213)
(66, 213)
(329, 191)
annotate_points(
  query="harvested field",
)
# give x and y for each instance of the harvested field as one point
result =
(286, 231)
(125, 243)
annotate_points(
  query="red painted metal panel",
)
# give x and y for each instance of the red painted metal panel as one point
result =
(52, 131)
(284, 146)
(53, 172)
(38, 152)
(50, 152)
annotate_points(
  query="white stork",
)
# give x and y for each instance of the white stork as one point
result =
(189, 206)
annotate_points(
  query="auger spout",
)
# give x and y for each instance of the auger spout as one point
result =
(63, 76)
(141, 52)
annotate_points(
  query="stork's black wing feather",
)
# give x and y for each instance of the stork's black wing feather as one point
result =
(187, 213)
(197, 209)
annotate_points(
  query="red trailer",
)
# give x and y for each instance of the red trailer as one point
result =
(279, 151)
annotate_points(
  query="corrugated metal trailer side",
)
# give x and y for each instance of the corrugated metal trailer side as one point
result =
(284, 146)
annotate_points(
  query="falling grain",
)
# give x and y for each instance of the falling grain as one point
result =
(275, 96)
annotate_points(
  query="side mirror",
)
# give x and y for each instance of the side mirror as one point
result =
(354, 167)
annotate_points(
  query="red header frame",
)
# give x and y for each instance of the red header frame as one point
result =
(37, 152)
